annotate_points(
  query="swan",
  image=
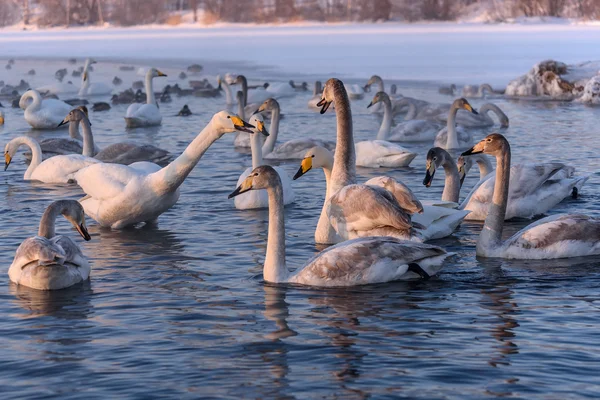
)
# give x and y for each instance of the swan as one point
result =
(356, 210)
(241, 139)
(355, 92)
(118, 196)
(535, 188)
(92, 89)
(449, 90)
(355, 262)
(557, 236)
(223, 85)
(476, 91)
(119, 153)
(49, 261)
(251, 99)
(407, 131)
(381, 153)
(312, 103)
(292, 149)
(480, 120)
(258, 198)
(464, 165)
(43, 114)
(148, 114)
(57, 169)
(450, 137)
(437, 219)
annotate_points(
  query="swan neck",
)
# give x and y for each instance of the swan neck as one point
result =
(386, 122)
(485, 166)
(325, 233)
(48, 221)
(502, 117)
(412, 110)
(74, 131)
(149, 90)
(256, 148)
(88, 138)
(227, 89)
(36, 102)
(452, 141)
(344, 162)
(452, 183)
(241, 110)
(245, 91)
(491, 234)
(275, 269)
(36, 154)
(273, 130)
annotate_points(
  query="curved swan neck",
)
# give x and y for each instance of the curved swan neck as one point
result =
(244, 82)
(491, 234)
(74, 131)
(379, 83)
(36, 102)
(228, 94)
(275, 269)
(502, 117)
(452, 141)
(412, 108)
(344, 162)
(386, 122)
(169, 178)
(149, 89)
(241, 111)
(485, 165)
(269, 144)
(484, 87)
(48, 221)
(256, 148)
(36, 153)
(88, 138)
(452, 183)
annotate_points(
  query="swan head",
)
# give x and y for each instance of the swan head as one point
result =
(27, 97)
(240, 79)
(436, 157)
(10, 150)
(76, 115)
(75, 214)
(269, 105)
(379, 97)
(373, 80)
(239, 95)
(464, 164)
(317, 157)
(332, 86)
(154, 73)
(258, 121)
(262, 177)
(494, 144)
(462, 103)
(225, 122)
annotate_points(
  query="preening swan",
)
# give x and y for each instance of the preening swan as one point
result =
(57, 169)
(87, 87)
(258, 198)
(451, 137)
(292, 149)
(148, 114)
(48, 261)
(557, 236)
(355, 262)
(120, 195)
(534, 189)
(43, 114)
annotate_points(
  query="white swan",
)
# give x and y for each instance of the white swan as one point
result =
(557, 236)
(87, 87)
(148, 114)
(223, 85)
(381, 153)
(464, 165)
(251, 99)
(258, 198)
(535, 188)
(451, 137)
(437, 219)
(48, 261)
(292, 149)
(43, 114)
(356, 262)
(480, 120)
(476, 91)
(120, 195)
(355, 92)
(57, 169)
(407, 131)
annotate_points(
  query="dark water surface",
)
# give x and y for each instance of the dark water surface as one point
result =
(181, 311)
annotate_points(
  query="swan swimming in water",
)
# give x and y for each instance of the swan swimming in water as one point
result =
(535, 188)
(43, 114)
(451, 137)
(118, 196)
(477, 91)
(480, 120)
(87, 87)
(557, 236)
(49, 261)
(356, 262)
(258, 198)
(148, 114)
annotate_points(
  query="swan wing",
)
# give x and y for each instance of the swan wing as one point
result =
(404, 196)
(105, 181)
(133, 109)
(128, 153)
(39, 249)
(297, 148)
(381, 153)
(59, 169)
(415, 131)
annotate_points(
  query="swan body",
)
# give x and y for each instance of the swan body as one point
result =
(118, 195)
(145, 114)
(43, 114)
(355, 92)
(58, 88)
(356, 262)
(381, 153)
(476, 90)
(92, 89)
(558, 236)
(316, 97)
(48, 261)
(258, 198)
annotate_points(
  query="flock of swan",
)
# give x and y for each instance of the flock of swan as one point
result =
(377, 229)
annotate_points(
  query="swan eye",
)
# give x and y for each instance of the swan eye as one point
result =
(434, 158)
(488, 140)
(313, 156)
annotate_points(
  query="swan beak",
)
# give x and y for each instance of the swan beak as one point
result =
(244, 187)
(462, 174)
(324, 104)
(1, 120)
(429, 174)
(478, 148)
(160, 73)
(469, 108)
(81, 228)
(367, 88)
(85, 76)
(305, 166)
(241, 125)
(260, 125)
(64, 121)
(370, 104)
(7, 160)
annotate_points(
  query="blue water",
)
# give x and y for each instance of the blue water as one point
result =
(181, 310)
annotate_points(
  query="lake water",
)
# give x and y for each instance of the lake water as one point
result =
(181, 311)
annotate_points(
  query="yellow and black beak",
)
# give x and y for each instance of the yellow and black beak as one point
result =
(260, 126)
(477, 149)
(243, 188)
(81, 228)
(305, 166)
(1, 120)
(85, 76)
(241, 125)
(160, 73)
(7, 160)
(429, 174)
(470, 108)
(373, 102)
(324, 104)
(64, 121)
(462, 174)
